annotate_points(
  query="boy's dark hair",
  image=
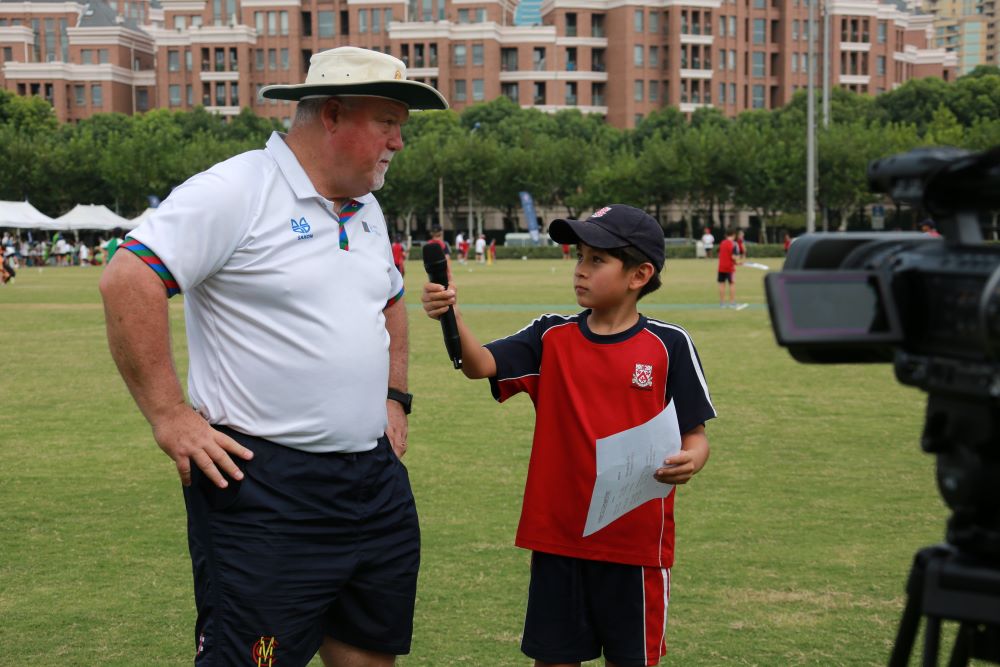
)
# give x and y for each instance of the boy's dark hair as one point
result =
(630, 258)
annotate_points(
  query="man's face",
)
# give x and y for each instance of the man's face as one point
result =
(368, 135)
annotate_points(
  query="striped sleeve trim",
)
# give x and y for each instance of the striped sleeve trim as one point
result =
(395, 298)
(155, 263)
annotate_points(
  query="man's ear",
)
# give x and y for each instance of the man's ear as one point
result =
(332, 113)
(641, 275)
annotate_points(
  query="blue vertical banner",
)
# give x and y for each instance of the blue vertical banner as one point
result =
(528, 204)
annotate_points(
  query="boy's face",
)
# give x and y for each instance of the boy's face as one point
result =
(600, 280)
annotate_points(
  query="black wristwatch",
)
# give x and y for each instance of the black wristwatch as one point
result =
(401, 397)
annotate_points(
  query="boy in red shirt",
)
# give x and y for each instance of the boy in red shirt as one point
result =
(592, 375)
(729, 257)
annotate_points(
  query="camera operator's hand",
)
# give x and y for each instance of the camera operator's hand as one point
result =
(685, 464)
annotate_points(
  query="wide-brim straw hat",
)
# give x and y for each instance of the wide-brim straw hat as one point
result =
(348, 70)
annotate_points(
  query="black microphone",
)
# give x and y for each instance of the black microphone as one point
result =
(437, 272)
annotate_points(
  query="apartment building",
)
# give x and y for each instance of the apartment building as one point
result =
(967, 28)
(619, 58)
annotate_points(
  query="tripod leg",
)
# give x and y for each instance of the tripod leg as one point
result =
(907, 632)
(963, 641)
(932, 641)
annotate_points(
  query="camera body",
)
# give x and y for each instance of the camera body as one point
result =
(930, 305)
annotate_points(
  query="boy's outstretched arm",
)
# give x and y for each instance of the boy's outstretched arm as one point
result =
(477, 361)
(682, 466)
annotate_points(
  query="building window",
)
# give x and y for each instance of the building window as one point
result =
(463, 15)
(188, 61)
(173, 61)
(758, 64)
(220, 94)
(637, 20)
(272, 23)
(597, 25)
(283, 18)
(881, 32)
(654, 56)
(477, 55)
(142, 99)
(376, 21)
(509, 90)
(387, 18)
(508, 60)
(325, 24)
(637, 90)
(880, 65)
(80, 93)
(759, 31)
(459, 55)
(284, 59)
(732, 60)
(480, 15)
(189, 89)
(570, 24)
(86, 57)
(102, 56)
(259, 59)
(654, 91)
(272, 59)
(96, 95)
(637, 51)
(180, 23)
(597, 94)
(722, 93)
(459, 90)
(174, 95)
(478, 90)
(654, 22)
(234, 94)
(571, 93)
(362, 20)
(758, 97)
(538, 96)
(538, 58)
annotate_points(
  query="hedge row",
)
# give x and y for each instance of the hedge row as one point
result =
(554, 252)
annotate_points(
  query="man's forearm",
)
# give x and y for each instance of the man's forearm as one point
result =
(399, 345)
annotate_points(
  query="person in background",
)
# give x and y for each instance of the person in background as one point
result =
(302, 526)
(399, 255)
(110, 246)
(481, 249)
(708, 241)
(437, 238)
(729, 257)
(928, 228)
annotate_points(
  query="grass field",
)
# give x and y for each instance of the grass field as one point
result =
(793, 544)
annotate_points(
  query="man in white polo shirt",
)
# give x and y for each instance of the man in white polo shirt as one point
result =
(301, 523)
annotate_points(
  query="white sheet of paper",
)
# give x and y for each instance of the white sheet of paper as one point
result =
(626, 462)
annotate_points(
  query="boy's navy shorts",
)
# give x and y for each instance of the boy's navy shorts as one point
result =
(306, 545)
(579, 609)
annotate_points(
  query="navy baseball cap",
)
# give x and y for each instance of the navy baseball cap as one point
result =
(614, 226)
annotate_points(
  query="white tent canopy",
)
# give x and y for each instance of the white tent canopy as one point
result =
(91, 216)
(141, 218)
(22, 215)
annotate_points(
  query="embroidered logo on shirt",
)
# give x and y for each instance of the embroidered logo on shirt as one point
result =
(302, 228)
(262, 652)
(642, 378)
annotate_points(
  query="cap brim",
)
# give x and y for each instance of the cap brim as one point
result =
(414, 94)
(574, 231)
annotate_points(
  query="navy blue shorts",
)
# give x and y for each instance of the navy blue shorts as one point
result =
(580, 609)
(306, 545)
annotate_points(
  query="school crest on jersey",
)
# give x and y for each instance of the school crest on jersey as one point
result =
(642, 378)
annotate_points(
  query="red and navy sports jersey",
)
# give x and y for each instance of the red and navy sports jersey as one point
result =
(585, 387)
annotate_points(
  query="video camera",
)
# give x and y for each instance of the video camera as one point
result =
(931, 305)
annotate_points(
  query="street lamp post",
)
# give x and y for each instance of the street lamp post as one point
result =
(811, 123)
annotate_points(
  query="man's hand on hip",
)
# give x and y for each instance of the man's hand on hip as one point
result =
(187, 438)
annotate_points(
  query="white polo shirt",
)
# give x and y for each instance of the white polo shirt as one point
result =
(285, 330)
